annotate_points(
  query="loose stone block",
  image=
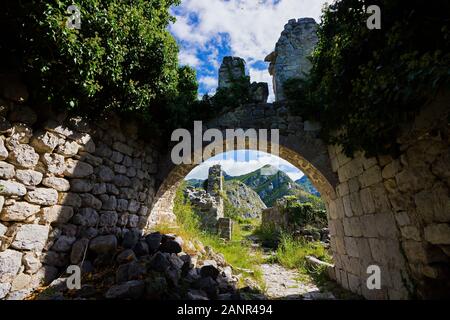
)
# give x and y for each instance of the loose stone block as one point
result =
(29, 177)
(19, 211)
(31, 237)
(45, 142)
(59, 184)
(55, 163)
(78, 169)
(57, 214)
(10, 262)
(42, 196)
(7, 170)
(438, 233)
(11, 188)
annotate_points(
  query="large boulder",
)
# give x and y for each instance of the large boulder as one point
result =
(153, 241)
(103, 244)
(170, 246)
(133, 289)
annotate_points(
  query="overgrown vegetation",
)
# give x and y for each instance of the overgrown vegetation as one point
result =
(303, 213)
(291, 253)
(235, 252)
(365, 83)
(122, 59)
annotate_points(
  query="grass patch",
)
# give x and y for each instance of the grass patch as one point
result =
(238, 253)
(291, 253)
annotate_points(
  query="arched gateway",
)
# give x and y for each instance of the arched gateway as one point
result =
(382, 211)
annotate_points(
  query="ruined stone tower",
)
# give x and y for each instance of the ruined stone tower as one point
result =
(290, 58)
(232, 70)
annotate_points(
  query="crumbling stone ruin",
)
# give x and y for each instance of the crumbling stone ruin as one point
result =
(290, 58)
(232, 71)
(209, 203)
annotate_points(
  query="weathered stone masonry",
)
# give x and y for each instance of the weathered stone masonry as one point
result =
(66, 184)
(395, 212)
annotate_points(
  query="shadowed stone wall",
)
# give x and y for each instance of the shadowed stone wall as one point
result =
(66, 185)
(395, 212)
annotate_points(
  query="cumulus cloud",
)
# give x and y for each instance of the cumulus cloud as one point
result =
(208, 82)
(246, 28)
(239, 163)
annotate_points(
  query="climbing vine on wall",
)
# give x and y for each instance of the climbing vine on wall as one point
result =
(365, 83)
(122, 59)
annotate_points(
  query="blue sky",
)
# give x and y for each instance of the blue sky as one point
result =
(241, 162)
(208, 30)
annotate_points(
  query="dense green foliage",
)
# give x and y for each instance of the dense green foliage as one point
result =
(365, 83)
(302, 213)
(291, 253)
(234, 96)
(122, 59)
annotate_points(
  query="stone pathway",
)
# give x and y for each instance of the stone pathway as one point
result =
(282, 283)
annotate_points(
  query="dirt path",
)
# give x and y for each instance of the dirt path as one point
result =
(285, 284)
(282, 283)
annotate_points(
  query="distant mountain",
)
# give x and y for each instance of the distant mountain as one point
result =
(269, 183)
(306, 185)
(196, 183)
(242, 201)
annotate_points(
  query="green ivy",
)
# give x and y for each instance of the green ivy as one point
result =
(122, 59)
(364, 84)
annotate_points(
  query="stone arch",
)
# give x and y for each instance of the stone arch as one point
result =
(163, 205)
(299, 144)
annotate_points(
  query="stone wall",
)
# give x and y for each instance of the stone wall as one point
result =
(273, 217)
(395, 212)
(66, 185)
(290, 58)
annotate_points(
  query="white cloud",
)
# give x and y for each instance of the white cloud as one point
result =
(252, 27)
(188, 58)
(242, 165)
(210, 83)
(263, 76)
